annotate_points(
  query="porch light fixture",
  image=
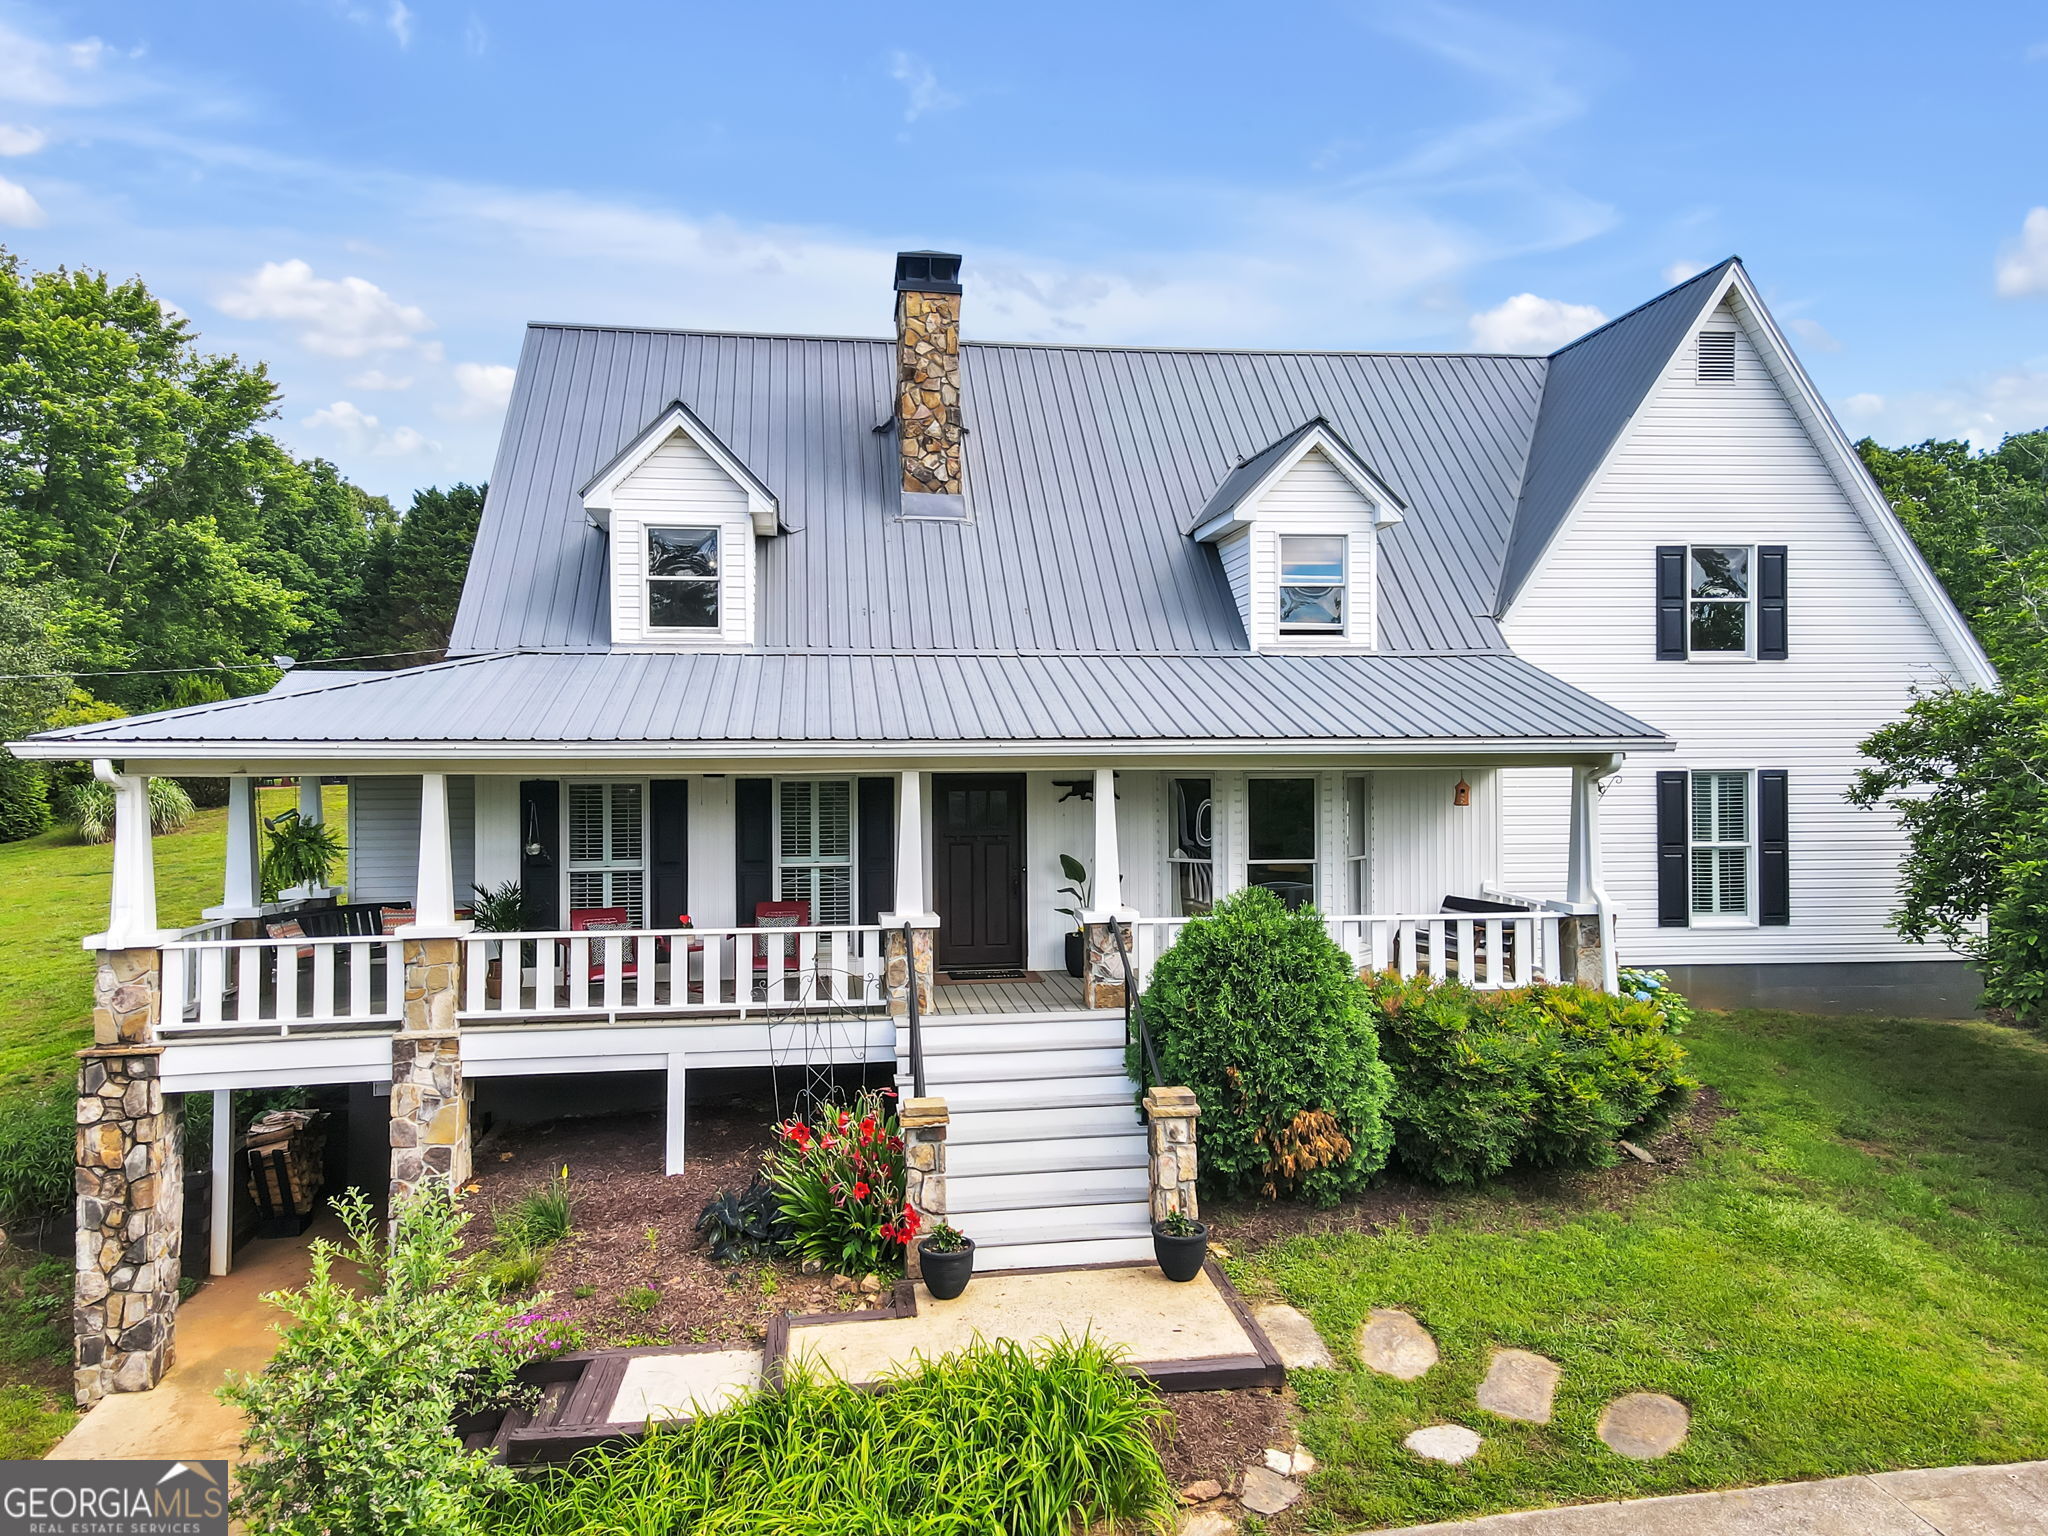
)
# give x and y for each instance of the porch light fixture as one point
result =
(1461, 792)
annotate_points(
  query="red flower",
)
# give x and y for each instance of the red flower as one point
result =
(845, 1119)
(867, 1128)
(860, 1189)
(798, 1133)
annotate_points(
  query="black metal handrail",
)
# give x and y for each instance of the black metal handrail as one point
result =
(1134, 1017)
(916, 1029)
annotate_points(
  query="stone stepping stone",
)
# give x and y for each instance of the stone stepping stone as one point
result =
(1396, 1345)
(1295, 1463)
(1265, 1492)
(1519, 1385)
(1300, 1347)
(1448, 1443)
(1206, 1522)
(1644, 1425)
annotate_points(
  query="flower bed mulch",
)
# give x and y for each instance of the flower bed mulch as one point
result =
(633, 1227)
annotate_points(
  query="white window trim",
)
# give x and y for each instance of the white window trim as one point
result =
(851, 863)
(1317, 853)
(571, 866)
(1748, 602)
(1283, 629)
(715, 582)
(1173, 862)
(1747, 918)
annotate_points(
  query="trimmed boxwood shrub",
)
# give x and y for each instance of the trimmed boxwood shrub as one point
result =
(1543, 1076)
(1258, 1011)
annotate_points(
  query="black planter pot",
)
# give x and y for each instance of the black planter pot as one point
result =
(946, 1274)
(1180, 1258)
(1076, 954)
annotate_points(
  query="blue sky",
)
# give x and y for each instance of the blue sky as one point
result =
(375, 195)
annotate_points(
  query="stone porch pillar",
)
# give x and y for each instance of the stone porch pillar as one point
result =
(1586, 933)
(924, 1169)
(1586, 957)
(1170, 1114)
(429, 1099)
(1102, 968)
(901, 964)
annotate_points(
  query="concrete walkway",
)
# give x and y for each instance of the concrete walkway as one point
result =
(225, 1327)
(1945, 1501)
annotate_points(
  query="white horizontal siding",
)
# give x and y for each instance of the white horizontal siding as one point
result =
(384, 837)
(1727, 464)
(680, 484)
(1312, 497)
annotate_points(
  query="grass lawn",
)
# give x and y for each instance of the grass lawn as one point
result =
(57, 894)
(1853, 1277)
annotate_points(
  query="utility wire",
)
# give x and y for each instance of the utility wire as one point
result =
(218, 666)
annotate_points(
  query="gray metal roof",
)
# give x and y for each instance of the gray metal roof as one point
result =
(1244, 479)
(1079, 460)
(1594, 387)
(787, 698)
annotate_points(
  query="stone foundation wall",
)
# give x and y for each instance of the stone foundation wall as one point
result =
(897, 969)
(1170, 1115)
(131, 1202)
(1102, 968)
(924, 1168)
(928, 391)
(429, 1113)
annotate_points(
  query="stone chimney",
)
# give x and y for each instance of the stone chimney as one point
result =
(928, 427)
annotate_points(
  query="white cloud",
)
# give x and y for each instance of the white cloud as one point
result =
(377, 378)
(1814, 334)
(364, 433)
(348, 317)
(2023, 266)
(18, 205)
(1678, 271)
(1863, 405)
(1526, 323)
(17, 140)
(1983, 410)
(921, 87)
(485, 389)
(476, 37)
(399, 20)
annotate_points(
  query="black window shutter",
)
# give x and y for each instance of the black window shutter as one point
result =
(876, 836)
(1674, 849)
(753, 809)
(540, 851)
(1773, 848)
(1671, 628)
(668, 851)
(1771, 632)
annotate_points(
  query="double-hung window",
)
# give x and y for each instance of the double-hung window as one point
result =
(1312, 580)
(682, 578)
(608, 849)
(1718, 599)
(1280, 830)
(814, 847)
(1723, 835)
(1190, 854)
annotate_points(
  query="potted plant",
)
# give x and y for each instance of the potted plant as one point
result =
(1078, 887)
(946, 1257)
(300, 855)
(499, 909)
(1180, 1244)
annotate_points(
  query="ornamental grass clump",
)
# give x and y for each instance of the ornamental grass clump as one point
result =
(1259, 1011)
(351, 1426)
(838, 1185)
(993, 1439)
(1543, 1076)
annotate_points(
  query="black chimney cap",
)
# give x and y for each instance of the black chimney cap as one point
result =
(927, 272)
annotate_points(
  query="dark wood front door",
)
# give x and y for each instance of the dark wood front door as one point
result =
(978, 868)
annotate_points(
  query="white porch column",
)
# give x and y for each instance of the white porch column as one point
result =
(1588, 934)
(911, 899)
(310, 808)
(434, 893)
(1582, 870)
(131, 905)
(241, 889)
(222, 1236)
(1108, 875)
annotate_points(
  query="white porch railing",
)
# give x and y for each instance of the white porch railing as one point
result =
(671, 971)
(1486, 951)
(223, 983)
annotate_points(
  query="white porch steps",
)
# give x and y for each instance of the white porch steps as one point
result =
(1045, 1154)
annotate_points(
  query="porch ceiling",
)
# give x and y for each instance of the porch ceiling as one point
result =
(610, 704)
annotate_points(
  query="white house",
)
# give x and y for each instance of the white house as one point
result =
(833, 647)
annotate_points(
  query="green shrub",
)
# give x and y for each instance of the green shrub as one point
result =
(538, 1219)
(838, 1183)
(512, 1270)
(1545, 1076)
(38, 1151)
(24, 799)
(990, 1439)
(89, 805)
(351, 1424)
(1258, 1011)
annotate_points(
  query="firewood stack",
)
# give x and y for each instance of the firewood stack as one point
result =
(291, 1183)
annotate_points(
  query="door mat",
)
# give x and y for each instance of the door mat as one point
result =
(967, 978)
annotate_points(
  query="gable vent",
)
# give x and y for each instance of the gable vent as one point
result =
(1716, 357)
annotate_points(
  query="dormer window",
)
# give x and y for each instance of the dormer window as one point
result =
(1312, 582)
(682, 578)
